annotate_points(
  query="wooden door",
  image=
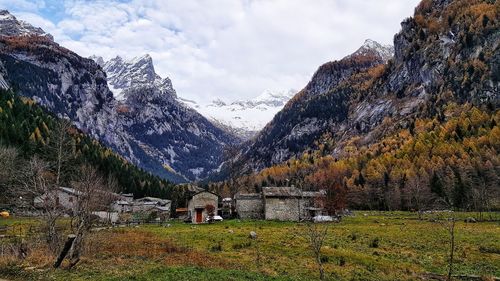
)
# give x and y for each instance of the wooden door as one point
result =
(199, 216)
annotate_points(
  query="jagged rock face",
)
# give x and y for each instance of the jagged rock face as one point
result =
(10, 26)
(312, 110)
(138, 72)
(149, 127)
(438, 59)
(165, 128)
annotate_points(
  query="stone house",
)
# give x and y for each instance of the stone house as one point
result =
(149, 203)
(280, 203)
(249, 206)
(122, 206)
(67, 199)
(197, 205)
(64, 196)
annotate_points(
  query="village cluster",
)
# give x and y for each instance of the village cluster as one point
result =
(201, 206)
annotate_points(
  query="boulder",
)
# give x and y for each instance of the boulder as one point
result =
(470, 220)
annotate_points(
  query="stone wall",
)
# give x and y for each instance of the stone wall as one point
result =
(281, 208)
(250, 206)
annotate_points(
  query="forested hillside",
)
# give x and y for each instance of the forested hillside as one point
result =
(29, 128)
(417, 131)
(447, 52)
(453, 164)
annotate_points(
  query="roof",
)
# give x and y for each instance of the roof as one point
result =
(69, 190)
(164, 209)
(121, 202)
(288, 191)
(153, 199)
(192, 188)
(243, 196)
(314, 208)
(205, 191)
(314, 193)
(75, 192)
(281, 191)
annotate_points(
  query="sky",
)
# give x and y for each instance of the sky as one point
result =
(228, 49)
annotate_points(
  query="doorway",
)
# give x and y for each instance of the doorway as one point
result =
(199, 215)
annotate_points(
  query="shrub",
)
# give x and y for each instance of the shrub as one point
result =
(217, 247)
(341, 261)
(375, 243)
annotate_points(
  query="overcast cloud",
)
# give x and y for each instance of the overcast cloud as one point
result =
(232, 49)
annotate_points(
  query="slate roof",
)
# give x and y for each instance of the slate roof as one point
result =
(243, 196)
(289, 191)
(281, 191)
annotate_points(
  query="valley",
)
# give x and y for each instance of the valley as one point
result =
(407, 249)
(118, 162)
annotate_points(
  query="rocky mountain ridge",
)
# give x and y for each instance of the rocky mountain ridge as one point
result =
(447, 52)
(148, 126)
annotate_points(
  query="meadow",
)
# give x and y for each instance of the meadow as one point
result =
(367, 246)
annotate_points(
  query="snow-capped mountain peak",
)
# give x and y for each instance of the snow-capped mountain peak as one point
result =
(384, 51)
(11, 26)
(276, 99)
(137, 72)
(246, 117)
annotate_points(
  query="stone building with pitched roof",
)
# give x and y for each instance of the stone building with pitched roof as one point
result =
(280, 203)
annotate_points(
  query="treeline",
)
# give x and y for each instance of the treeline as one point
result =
(453, 164)
(32, 131)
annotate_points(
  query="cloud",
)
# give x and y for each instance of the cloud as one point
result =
(233, 49)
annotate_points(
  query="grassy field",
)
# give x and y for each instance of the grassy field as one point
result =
(369, 246)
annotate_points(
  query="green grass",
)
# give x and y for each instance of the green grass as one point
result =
(378, 246)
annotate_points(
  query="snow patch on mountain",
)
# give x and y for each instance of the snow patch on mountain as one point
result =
(10, 26)
(132, 73)
(246, 117)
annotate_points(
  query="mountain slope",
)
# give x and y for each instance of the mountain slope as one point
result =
(447, 52)
(27, 127)
(149, 127)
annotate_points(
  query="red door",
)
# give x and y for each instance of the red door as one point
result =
(199, 216)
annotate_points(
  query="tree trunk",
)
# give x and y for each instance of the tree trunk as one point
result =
(65, 250)
(452, 249)
(320, 265)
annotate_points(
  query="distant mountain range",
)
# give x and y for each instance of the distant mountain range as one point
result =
(244, 117)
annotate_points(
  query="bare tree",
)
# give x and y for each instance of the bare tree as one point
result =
(315, 235)
(92, 195)
(8, 166)
(484, 188)
(447, 221)
(418, 192)
(449, 226)
(37, 186)
(59, 149)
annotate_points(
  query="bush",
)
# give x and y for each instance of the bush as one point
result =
(242, 245)
(375, 243)
(217, 247)
(341, 261)
(353, 236)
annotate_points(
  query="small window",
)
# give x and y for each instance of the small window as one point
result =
(70, 199)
